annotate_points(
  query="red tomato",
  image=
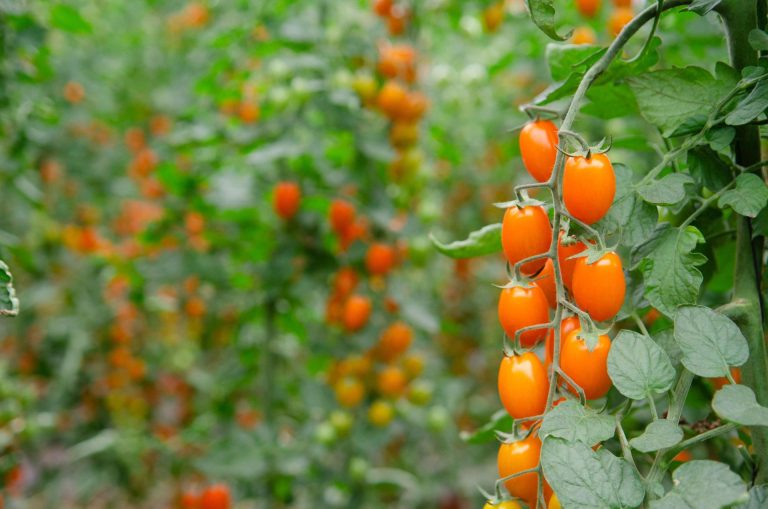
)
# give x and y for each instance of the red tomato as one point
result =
(357, 310)
(215, 497)
(588, 8)
(522, 307)
(564, 253)
(588, 369)
(599, 288)
(379, 259)
(341, 215)
(286, 199)
(523, 385)
(546, 281)
(382, 7)
(519, 456)
(683, 456)
(566, 326)
(526, 232)
(538, 140)
(589, 186)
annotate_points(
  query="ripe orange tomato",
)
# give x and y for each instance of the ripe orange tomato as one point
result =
(526, 232)
(391, 381)
(583, 35)
(522, 307)
(345, 281)
(538, 140)
(349, 392)
(564, 253)
(357, 310)
(380, 413)
(493, 15)
(398, 17)
(341, 215)
(588, 369)
(720, 381)
(566, 326)
(215, 496)
(683, 456)
(286, 199)
(554, 503)
(416, 104)
(546, 281)
(523, 385)
(189, 500)
(398, 61)
(588, 8)
(589, 186)
(599, 288)
(619, 19)
(506, 504)
(403, 134)
(249, 111)
(519, 456)
(391, 99)
(379, 259)
(394, 341)
(382, 7)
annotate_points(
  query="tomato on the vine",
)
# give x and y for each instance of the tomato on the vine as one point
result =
(599, 288)
(566, 326)
(588, 8)
(394, 341)
(523, 385)
(516, 457)
(589, 185)
(215, 497)
(341, 215)
(538, 142)
(619, 19)
(565, 250)
(587, 369)
(379, 259)
(522, 307)
(526, 232)
(391, 381)
(357, 310)
(286, 199)
(546, 281)
(583, 35)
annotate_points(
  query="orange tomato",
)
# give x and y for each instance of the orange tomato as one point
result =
(588, 369)
(599, 288)
(379, 259)
(341, 215)
(523, 385)
(546, 281)
(391, 381)
(215, 496)
(382, 7)
(566, 326)
(538, 142)
(588, 8)
(349, 392)
(345, 281)
(398, 61)
(403, 134)
(589, 186)
(398, 18)
(74, 92)
(493, 15)
(380, 413)
(394, 341)
(286, 199)
(721, 381)
(522, 307)
(357, 310)
(683, 456)
(249, 111)
(516, 457)
(392, 98)
(619, 19)
(567, 247)
(583, 35)
(526, 232)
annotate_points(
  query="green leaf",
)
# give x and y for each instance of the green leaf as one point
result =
(669, 267)
(639, 367)
(9, 304)
(703, 7)
(573, 422)
(666, 340)
(758, 498)
(69, 19)
(709, 340)
(702, 484)
(500, 421)
(659, 434)
(629, 216)
(758, 40)
(484, 241)
(737, 403)
(670, 96)
(749, 196)
(750, 107)
(543, 15)
(564, 59)
(610, 100)
(668, 190)
(720, 138)
(707, 167)
(583, 478)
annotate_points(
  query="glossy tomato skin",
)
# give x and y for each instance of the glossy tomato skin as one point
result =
(599, 288)
(589, 186)
(526, 232)
(564, 253)
(588, 369)
(522, 307)
(566, 326)
(538, 140)
(216, 497)
(516, 457)
(523, 385)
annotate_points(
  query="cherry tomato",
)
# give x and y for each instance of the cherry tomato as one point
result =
(493, 15)
(546, 281)
(379, 259)
(391, 381)
(506, 504)
(683, 456)
(564, 253)
(516, 457)
(538, 140)
(394, 341)
(589, 186)
(526, 232)
(720, 381)
(357, 310)
(588, 8)
(382, 7)
(619, 19)
(286, 199)
(583, 35)
(523, 385)
(599, 288)
(215, 497)
(566, 326)
(554, 503)
(341, 215)
(380, 413)
(588, 369)
(522, 307)
(349, 392)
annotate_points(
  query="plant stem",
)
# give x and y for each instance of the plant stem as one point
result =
(739, 18)
(701, 437)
